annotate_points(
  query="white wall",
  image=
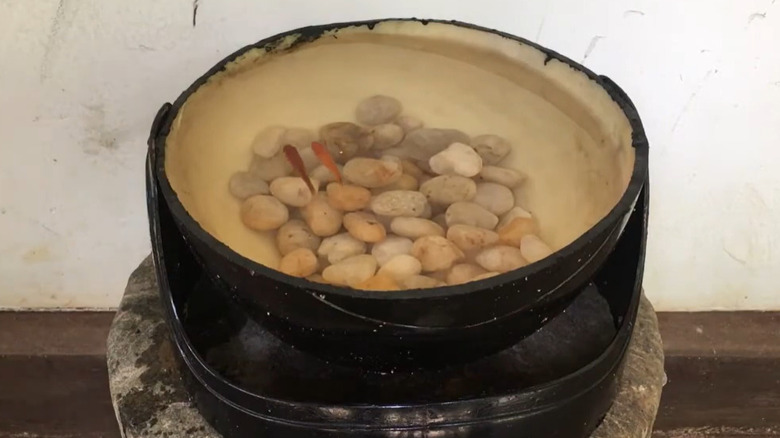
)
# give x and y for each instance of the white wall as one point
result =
(80, 81)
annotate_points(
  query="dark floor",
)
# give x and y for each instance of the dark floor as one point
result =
(723, 375)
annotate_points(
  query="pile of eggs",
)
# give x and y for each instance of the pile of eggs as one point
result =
(387, 204)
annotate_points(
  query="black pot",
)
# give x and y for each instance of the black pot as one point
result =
(415, 328)
(532, 405)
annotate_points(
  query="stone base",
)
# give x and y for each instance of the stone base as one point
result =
(150, 400)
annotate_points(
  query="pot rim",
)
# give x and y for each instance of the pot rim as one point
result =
(161, 129)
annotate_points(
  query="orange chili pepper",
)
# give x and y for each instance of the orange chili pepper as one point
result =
(326, 159)
(296, 162)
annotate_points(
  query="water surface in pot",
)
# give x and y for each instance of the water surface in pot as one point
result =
(569, 137)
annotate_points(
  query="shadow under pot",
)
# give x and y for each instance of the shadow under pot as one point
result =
(575, 136)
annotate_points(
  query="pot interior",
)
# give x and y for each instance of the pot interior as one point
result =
(569, 137)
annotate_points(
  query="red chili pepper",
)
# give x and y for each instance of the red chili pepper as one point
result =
(296, 162)
(322, 153)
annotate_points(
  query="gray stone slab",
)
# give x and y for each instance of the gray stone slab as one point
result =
(150, 400)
